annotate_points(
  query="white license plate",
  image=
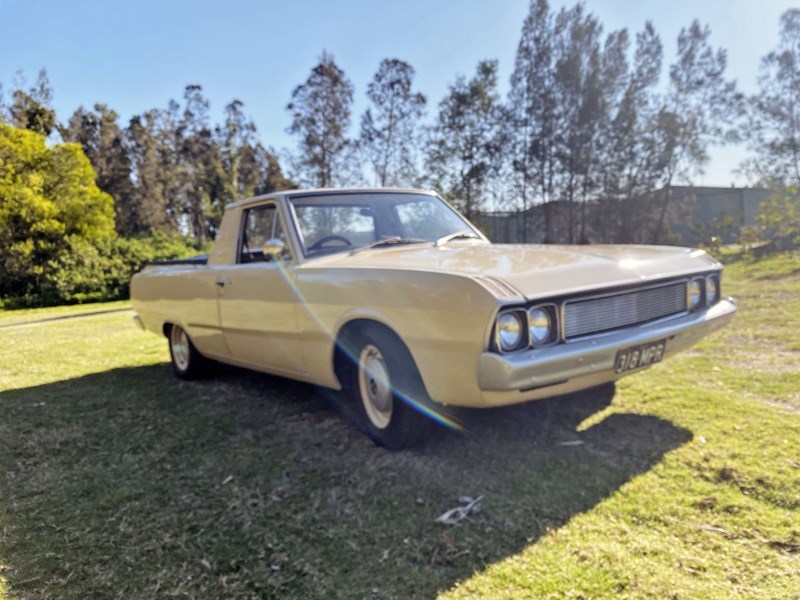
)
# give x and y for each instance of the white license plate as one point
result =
(639, 357)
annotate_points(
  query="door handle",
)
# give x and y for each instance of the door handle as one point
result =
(223, 282)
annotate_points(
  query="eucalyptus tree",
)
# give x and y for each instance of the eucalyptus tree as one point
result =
(201, 198)
(465, 144)
(236, 137)
(152, 149)
(773, 128)
(578, 88)
(530, 122)
(321, 111)
(389, 128)
(99, 134)
(248, 167)
(635, 155)
(32, 108)
(698, 109)
(565, 87)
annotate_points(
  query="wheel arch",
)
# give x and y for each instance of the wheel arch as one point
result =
(344, 351)
(414, 411)
(167, 326)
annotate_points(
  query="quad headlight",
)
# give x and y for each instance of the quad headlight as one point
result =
(703, 292)
(696, 293)
(516, 329)
(712, 289)
(510, 330)
(542, 325)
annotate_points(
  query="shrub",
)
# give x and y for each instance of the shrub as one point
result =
(130, 255)
(57, 238)
(779, 217)
(82, 272)
(53, 218)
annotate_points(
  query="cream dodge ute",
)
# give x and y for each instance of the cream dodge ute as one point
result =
(394, 298)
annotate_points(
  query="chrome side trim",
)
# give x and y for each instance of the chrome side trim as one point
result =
(498, 288)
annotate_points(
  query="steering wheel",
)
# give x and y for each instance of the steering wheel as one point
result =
(329, 238)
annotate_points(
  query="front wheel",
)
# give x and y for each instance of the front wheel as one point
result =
(187, 362)
(388, 391)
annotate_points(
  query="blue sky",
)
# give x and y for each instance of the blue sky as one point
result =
(137, 55)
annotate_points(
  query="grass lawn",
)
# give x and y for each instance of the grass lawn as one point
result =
(119, 481)
(54, 313)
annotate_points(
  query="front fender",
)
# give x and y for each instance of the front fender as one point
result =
(441, 318)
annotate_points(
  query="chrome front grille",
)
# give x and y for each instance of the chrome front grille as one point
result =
(596, 315)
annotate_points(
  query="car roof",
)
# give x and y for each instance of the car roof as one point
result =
(325, 192)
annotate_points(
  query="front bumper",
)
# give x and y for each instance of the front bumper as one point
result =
(545, 372)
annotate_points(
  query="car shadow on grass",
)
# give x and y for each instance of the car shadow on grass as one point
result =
(131, 484)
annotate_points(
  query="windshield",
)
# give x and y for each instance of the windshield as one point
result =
(343, 222)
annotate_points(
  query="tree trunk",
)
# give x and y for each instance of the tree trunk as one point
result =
(663, 214)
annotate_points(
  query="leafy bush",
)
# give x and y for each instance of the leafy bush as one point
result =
(130, 255)
(57, 238)
(779, 217)
(82, 272)
(53, 217)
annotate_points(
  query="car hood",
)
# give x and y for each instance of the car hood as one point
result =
(535, 271)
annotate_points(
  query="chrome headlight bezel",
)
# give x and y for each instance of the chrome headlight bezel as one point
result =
(713, 289)
(505, 319)
(696, 293)
(550, 335)
(528, 338)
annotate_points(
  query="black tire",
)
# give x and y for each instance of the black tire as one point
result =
(387, 390)
(187, 362)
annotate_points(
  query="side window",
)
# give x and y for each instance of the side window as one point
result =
(261, 225)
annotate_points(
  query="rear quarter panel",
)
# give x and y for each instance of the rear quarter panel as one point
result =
(183, 295)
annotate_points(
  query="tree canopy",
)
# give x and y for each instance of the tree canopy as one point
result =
(594, 130)
(389, 128)
(50, 207)
(773, 129)
(464, 150)
(320, 110)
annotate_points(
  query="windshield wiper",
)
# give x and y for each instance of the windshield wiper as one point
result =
(456, 235)
(388, 241)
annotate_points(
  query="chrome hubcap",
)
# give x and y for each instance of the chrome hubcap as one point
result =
(373, 383)
(179, 343)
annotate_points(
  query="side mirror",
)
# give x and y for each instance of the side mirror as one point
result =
(273, 249)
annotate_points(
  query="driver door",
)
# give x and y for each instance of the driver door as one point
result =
(257, 304)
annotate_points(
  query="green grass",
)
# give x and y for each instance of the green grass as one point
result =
(27, 315)
(119, 481)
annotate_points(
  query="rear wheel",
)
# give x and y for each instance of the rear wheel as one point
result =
(187, 362)
(388, 390)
